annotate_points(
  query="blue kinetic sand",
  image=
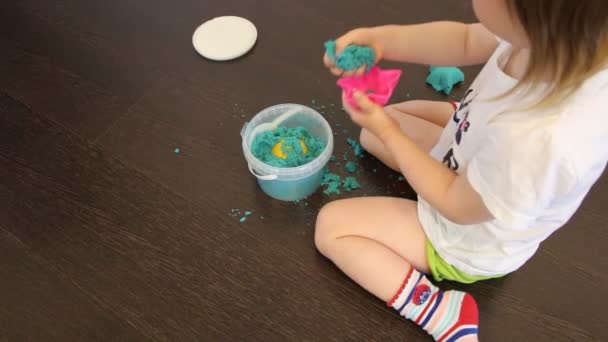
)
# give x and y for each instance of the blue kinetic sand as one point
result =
(352, 57)
(350, 167)
(444, 78)
(357, 148)
(293, 141)
(350, 183)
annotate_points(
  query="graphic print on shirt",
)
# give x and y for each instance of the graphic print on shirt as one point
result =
(461, 118)
(450, 161)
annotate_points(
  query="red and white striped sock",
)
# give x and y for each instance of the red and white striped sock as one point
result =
(448, 316)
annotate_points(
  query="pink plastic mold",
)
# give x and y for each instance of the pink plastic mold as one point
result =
(377, 84)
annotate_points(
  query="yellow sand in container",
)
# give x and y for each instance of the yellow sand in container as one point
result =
(277, 150)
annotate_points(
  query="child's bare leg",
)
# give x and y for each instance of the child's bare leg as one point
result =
(379, 243)
(375, 250)
(408, 114)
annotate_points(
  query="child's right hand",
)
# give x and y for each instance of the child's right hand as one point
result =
(360, 36)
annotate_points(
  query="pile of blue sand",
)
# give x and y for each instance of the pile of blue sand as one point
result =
(350, 183)
(357, 148)
(350, 167)
(352, 57)
(291, 139)
(444, 78)
(334, 182)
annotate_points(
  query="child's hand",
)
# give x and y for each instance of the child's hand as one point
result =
(360, 36)
(369, 115)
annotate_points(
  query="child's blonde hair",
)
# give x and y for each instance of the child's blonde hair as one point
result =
(568, 44)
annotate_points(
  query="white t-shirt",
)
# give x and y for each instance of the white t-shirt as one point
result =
(532, 169)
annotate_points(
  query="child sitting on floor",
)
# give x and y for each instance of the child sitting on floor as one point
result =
(496, 174)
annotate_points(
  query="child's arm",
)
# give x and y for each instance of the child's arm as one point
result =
(449, 193)
(436, 43)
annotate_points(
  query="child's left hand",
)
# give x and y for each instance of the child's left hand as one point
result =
(369, 115)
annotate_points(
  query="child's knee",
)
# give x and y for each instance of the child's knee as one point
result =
(325, 228)
(367, 139)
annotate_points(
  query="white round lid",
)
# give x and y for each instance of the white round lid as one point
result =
(225, 38)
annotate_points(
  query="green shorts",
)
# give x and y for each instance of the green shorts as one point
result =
(441, 270)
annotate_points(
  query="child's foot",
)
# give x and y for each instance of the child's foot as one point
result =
(448, 316)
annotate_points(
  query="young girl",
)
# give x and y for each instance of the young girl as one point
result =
(494, 178)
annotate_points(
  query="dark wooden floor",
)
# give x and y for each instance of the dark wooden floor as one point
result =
(107, 234)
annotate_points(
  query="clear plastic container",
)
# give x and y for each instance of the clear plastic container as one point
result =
(289, 183)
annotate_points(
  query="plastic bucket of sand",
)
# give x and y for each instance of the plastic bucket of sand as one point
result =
(289, 183)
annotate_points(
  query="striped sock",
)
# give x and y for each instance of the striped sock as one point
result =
(448, 316)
